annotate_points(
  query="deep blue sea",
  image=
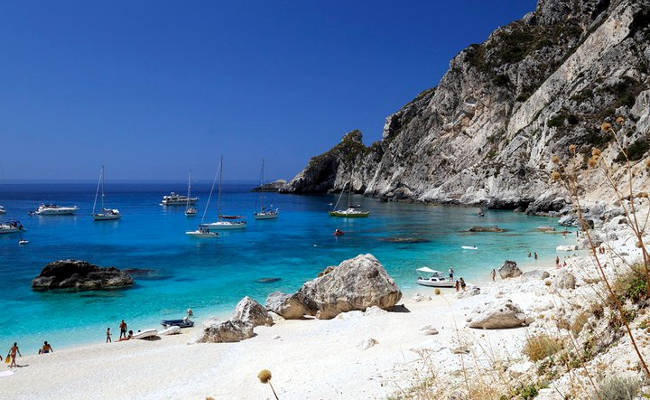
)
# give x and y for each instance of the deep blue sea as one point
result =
(211, 275)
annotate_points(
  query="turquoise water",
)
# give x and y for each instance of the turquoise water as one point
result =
(212, 275)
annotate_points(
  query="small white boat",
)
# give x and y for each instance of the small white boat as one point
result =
(11, 227)
(172, 330)
(224, 222)
(265, 213)
(224, 225)
(191, 212)
(202, 233)
(145, 334)
(436, 279)
(106, 214)
(469, 247)
(2, 210)
(53, 209)
(23, 242)
(174, 199)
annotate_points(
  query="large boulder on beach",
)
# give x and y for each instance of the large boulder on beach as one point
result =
(534, 275)
(509, 269)
(80, 275)
(501, 314)
(564, 280)
(225, 331)
(355, 284)
(248, 310)
(288, 306)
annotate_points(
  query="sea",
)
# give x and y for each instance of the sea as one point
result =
(212, 275)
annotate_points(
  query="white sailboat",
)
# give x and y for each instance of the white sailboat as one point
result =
(201, 231)
(350, 212)
(11, 227)
(224, 222)
(105, 214)
(265, 213)
(2, 210)
(190, 211)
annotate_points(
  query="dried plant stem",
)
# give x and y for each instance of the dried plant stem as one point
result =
(272, 389)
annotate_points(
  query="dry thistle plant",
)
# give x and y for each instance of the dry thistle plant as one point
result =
(567, 173)
(265, 377)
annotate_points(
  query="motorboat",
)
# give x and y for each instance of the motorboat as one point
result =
(435, 279)
(147, 333)
(352, 211)
(11, 227)
(105, 214)
(202, 233)
(23, 242)
(2, 210)
(469, 247)
(53, 209)
(338, 232)
(265, 213)
(175, 199)
(181, 323)
(191, 211)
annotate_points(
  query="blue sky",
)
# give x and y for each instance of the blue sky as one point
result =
(152, 89)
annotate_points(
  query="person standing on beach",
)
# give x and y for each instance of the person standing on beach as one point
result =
(12, 352)
(557, 261)
(108, 335)
(535, 255)
(494, 274)
(462, 283)
(122, 329)
(457, 285)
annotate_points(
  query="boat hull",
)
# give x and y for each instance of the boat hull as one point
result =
(202, 234)
(181, 202)
(266, 215)
(57, 211)
(4, 231)
(145, 334)
(224, 225)
(106, 217)
(343, 214)
(181, 323)
(438, 284)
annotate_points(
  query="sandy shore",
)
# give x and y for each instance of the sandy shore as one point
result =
(311, 359)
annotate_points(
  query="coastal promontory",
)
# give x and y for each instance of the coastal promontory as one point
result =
(80, 275)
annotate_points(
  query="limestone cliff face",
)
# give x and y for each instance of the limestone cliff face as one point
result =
(486, 133)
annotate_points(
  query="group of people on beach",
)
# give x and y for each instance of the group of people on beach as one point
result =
(123, 334)
(460, 283)
(15, 351)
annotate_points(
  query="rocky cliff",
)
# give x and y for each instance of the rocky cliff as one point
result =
(487, 132)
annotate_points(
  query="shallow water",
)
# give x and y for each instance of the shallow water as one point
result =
(211, 275)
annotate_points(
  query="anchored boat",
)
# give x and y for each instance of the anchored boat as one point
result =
(174, 199)
(190, 210)
(436, 279)
(224, 222)
(105, 214)
(53, 209)
(11, 227)
(265, 213)
(350, 212)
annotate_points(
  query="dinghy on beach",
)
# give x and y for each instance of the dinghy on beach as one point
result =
(172, 330)
(181, 323)
(145, 334)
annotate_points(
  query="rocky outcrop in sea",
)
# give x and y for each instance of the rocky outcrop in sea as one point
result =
(80, 275)
(486, 134)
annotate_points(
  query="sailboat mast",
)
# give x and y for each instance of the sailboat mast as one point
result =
(97, 191)
(219, 193)
(102, 188)
(189, 188)
(209, 198)
(262, 184)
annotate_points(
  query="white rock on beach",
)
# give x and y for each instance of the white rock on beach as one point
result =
(564, 280)
(248, 310)
(500, 314)
(428, 330)
(535, 274)
(367, 343)
(226, 331)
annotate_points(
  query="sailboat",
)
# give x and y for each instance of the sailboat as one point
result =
(224, 221)
(201, 231)
(265, 213)
(105, 214)
(350, 212)
(190, 210)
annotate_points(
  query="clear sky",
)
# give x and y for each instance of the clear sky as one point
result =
(152, 89)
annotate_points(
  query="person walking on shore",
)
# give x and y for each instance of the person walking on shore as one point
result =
(12, 352)
(557, 262)
(494, 274)
(122, 329)
(108, 335)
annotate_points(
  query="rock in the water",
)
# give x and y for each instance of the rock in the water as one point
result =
(286, 305)
(564, 280)
(248, 310)
(533, 275)
(486, 229)
(226, 331)
(509, 269)
(545, 228)
(268, 280)
(356, 284)
(80, 275)
(500, 314)
(271, 186)
(404, 240)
